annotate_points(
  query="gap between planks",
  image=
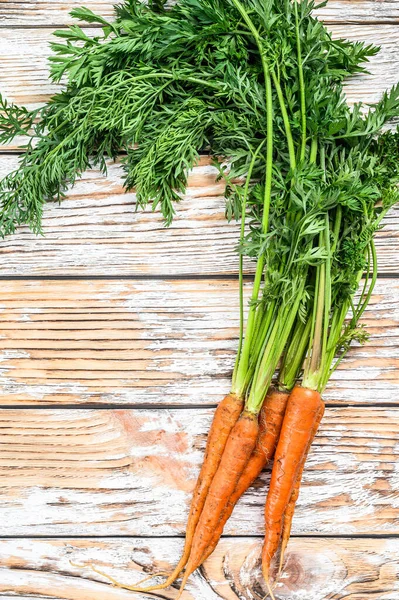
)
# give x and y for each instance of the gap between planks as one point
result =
(225, 536)
(156, 407)
(248, 277)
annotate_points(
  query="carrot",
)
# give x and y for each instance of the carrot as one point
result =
(270, 421)
(226, 416)
(238, 450)
(289, 513)
(303, 408)
(224, 420)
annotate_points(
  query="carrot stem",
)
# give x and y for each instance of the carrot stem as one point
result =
(241, 257)
(241, 373)
(301, 85)
(269, 358)
(294, 355)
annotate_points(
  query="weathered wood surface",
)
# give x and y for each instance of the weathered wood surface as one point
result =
(46, 13)
(316, 569)
(128, 341)
(131, 472)
(92, 472)
(96, 231)
(24, 73)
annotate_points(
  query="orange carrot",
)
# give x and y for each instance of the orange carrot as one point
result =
(270, 421)
(226, 416)
(289, 513)
(236, 455)
(302, 411)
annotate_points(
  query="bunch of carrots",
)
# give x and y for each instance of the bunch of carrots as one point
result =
(309, 177)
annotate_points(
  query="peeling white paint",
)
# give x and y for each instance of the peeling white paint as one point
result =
(7, 355)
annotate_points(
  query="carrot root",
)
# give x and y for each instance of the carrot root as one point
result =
(284, 545)
(158, 574)
(184, 583)
(269, 589)
(270, 421)
(299, 427)
(105, 575)
(290, 510)
(226, 416)
(238, 450)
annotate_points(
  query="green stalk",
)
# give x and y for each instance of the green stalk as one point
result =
(310, 377)
(315, 364)
(337, 322)
(366, 279)
(262, 330)
(294, 355)
(337, 227)
(301, 84)
(313, 150)
(241, 371)
(268, 360)
(372, 283)
(241, 258)
(265, 333)
(317, 341)
(287, 126)
(327, 297)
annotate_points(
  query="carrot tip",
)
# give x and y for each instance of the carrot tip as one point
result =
(159, 574)
(77, 565)
(183, 584)
(113, 581)
(281, 564)
(269, 590)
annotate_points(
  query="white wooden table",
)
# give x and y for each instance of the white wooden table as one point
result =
(117, 339)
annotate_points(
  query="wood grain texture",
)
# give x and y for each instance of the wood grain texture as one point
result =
(45, 13)
(131, 472)
(96, 231)
(24, 72)
(70, 472)
(174, 342)
(316, 569)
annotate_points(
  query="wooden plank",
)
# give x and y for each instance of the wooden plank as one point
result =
(360, 11)
(24, 72)
(96, 231)
(131, 472)
(316, 568)
(173, 342)
(45, 13)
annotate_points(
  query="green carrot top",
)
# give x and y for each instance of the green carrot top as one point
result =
(260, 83)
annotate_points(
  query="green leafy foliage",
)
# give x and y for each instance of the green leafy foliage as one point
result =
(131, 87)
